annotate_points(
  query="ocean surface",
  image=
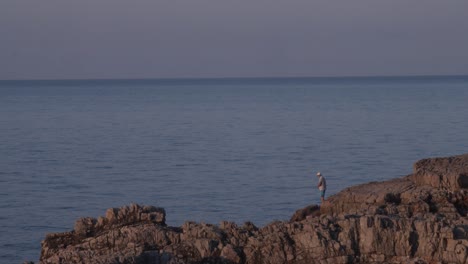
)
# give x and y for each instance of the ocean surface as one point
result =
(209, 149)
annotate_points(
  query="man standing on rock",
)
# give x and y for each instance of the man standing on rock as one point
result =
(322, 186)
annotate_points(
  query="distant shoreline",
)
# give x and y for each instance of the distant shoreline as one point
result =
(186, 80)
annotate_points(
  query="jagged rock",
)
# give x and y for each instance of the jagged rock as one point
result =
(302, 214)
(448, 173)
(84, 227)
(420, 218)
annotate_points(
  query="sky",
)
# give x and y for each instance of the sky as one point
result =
(106, 39)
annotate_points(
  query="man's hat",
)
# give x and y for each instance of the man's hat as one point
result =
(319, 174)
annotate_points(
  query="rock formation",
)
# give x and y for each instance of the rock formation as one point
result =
(420, 218)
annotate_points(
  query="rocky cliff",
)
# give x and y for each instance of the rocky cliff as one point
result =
(420, 218)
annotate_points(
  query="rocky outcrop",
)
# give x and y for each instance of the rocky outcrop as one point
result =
(420, 218)
(448, 173)
(307, 212)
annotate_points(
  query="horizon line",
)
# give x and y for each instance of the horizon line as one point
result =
(245, 78)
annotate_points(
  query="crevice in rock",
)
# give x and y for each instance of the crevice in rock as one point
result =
(462, 208)
(463, 181)
(460, 201)
(392, 198)
(431, 203)
(414, 242)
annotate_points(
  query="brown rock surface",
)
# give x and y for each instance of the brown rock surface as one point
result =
(420, 218)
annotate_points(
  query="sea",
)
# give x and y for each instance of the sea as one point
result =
(209, 150)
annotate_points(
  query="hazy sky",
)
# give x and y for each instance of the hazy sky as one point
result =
(59, 39)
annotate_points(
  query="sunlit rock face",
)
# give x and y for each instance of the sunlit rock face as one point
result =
(420, 218)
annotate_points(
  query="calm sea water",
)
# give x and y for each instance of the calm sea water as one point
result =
(208, 150)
